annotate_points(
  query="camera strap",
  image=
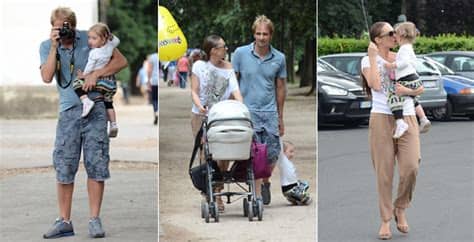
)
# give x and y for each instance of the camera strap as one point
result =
(71, 67)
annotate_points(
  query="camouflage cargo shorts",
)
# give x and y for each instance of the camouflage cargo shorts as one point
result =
(90, 134)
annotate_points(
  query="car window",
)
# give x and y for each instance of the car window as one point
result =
(463, 63)
(322, 66)
(346, 64)
(423, 68)
(442, 68)
(440, 59)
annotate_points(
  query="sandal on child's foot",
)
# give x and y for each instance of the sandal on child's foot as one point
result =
(220, 204)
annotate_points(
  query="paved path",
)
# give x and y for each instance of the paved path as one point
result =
(29, 143)
(28, 193)
(180, 203)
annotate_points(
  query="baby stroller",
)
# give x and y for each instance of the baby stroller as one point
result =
(226, 134)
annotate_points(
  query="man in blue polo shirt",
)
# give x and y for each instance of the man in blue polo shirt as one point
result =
(261, 70)
(68, 49)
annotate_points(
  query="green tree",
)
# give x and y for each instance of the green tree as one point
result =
(295, 25)
(136, 24)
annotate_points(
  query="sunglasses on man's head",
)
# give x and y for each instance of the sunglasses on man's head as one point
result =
(390, 33)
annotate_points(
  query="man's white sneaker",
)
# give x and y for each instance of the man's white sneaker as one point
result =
(402, 127)
(425, 125)
(87, 106)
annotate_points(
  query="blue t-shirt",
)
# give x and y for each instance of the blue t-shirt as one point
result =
(67, 96)
(258, 84)
(258, 77)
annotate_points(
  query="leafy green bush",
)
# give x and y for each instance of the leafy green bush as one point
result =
(423, 45)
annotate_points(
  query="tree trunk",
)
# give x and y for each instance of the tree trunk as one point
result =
(421, 10)
(309, 63)
(103, 5)
(309, 66)
(403, 8)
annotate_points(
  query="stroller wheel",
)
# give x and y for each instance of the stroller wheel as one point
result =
(206, 212)
(250, 210)
(203, 204)
(246, 207)
(215, 212)
(259, 209)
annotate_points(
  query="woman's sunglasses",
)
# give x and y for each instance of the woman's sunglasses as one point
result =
(219, 47)
(390, 33)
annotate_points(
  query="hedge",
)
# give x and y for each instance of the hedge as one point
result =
(423, 45)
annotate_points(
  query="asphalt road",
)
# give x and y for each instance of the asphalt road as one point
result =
(442, 207)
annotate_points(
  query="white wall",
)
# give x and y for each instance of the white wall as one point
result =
(24, 24)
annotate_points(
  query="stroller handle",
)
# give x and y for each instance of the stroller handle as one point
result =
(230, 119)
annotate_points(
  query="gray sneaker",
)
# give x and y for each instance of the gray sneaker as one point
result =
(298, 195)
(266, 195)
(59, 229)
(95, 228)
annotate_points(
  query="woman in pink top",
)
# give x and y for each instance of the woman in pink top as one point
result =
(183, 69)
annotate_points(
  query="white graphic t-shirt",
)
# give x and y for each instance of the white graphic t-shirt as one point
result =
(379, 98)
(215, 84)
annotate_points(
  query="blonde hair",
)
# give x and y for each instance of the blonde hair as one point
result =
(64, 13)
(102, 30)
(407, 30)
(287, 144)
(262, 19)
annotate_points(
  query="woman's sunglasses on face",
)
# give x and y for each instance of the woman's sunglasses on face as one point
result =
(390, 33)
(223, 46)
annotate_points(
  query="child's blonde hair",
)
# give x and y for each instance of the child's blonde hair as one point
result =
(407, 30)
(102, 30)
(64, 13)
(286, 145)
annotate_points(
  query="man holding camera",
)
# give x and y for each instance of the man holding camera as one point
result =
(62, 56)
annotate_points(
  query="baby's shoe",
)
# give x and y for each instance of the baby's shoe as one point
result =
(402, 127)
(87, 106)
(425, 125)
(113, 129)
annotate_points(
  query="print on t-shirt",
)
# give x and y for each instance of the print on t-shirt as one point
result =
(216, 87)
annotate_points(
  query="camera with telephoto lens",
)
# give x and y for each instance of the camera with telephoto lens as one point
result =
(66, 32)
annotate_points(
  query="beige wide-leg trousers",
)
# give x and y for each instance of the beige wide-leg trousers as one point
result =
(385, 152)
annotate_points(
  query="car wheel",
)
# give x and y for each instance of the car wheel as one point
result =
(352, 123)
(444, 113)
(471, 116)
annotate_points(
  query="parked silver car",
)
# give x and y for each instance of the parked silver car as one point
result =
(461, 62)
(433, 98)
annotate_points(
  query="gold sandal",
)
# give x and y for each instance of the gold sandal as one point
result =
(385, 236)
(402, 228)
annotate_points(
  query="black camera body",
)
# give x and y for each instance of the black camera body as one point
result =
(66, 32)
